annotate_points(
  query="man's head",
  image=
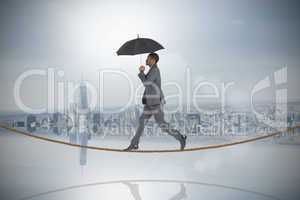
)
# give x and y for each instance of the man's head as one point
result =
(152, 59)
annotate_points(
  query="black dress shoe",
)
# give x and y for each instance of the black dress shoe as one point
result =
(182, 142)
(131, 147)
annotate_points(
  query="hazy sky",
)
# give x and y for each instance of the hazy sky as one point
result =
(219, 41)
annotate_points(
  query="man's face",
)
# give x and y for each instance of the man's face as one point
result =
(150, 61)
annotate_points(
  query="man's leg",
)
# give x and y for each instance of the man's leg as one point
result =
(165, 127)
(140, 129)
(141, 125)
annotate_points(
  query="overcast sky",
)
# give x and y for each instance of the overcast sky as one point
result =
(218, 41)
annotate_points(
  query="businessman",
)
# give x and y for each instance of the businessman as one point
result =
(153, 100)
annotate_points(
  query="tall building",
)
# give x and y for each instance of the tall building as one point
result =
(82, 112)
(31, 123)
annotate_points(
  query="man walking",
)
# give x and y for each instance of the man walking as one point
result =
(153, 100)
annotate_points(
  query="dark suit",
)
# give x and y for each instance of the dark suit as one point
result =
(153, 94)
(153, 100)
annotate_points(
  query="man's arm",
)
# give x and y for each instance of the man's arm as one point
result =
(149, 78)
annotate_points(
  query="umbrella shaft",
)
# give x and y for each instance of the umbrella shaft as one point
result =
(141, 59)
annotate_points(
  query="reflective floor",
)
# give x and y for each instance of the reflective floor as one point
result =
(33, 169)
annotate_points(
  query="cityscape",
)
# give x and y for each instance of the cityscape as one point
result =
(79, 118)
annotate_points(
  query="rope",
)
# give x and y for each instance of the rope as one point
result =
(150, 151)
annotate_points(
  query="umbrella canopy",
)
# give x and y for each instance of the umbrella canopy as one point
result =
(139, 46)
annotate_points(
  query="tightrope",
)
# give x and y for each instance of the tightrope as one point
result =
(215, 146)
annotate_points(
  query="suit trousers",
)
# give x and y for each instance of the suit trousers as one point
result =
(158, 113)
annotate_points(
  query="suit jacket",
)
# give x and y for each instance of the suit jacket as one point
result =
(153, 94)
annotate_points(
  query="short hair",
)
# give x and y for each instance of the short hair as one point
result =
(155, 56)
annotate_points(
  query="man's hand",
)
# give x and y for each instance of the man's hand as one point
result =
(142, 68)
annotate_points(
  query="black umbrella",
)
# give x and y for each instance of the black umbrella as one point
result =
(139, 46)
